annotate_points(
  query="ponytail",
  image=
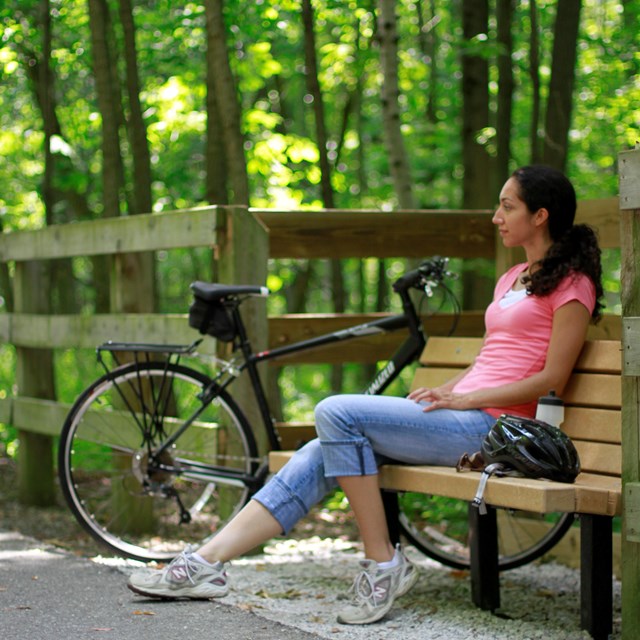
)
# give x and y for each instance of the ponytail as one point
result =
(576, 251)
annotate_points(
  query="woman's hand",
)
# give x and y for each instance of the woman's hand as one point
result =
(439, 398)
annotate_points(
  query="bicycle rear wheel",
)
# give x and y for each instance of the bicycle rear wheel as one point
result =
(438, 527)
(139, 503)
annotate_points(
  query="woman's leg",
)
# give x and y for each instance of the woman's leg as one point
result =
(253, 526)
(356, 432)
(363, 494)
(276, 508)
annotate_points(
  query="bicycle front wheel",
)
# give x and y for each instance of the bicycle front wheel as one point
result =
(439, 528)
(140, 500)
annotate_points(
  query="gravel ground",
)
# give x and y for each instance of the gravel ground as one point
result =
(302, 582)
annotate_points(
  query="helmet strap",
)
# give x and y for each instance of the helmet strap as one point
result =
(496, 468)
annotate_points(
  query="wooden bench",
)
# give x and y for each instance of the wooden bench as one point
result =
(593, 421)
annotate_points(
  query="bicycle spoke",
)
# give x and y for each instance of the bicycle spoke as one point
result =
(132, 493)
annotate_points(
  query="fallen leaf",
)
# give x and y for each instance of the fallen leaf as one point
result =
(459, 574)
(137, 612)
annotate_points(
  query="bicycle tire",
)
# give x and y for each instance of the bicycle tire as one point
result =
(113, 486)
(438, 527)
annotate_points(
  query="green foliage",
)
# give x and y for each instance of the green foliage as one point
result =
(8, 441)
(266, 40)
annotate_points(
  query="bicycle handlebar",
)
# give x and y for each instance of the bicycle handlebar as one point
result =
(428, 275)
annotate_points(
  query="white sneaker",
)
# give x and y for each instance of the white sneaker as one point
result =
(376, 590)
(185, 577)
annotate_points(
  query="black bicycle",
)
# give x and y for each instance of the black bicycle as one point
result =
(156, 454)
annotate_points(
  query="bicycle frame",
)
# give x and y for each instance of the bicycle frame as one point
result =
(408, 351)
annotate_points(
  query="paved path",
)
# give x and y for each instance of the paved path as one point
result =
(46, 594)
(291, 592)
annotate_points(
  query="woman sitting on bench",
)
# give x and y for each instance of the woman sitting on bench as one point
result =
(535, 330)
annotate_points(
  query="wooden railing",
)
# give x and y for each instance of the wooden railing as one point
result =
(241, 240)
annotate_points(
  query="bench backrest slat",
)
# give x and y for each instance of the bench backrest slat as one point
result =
(603, 356)
(597, 457)
(597, 425)
(602, 390)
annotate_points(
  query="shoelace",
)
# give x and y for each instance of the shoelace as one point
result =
(183, 565)
(363, 580)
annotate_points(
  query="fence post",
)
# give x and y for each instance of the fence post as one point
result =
(629, 171)
(243, 253)
(34, 378)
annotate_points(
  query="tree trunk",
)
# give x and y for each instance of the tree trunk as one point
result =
(313, 87)
(142, 201)
(392, 124)
(429, 49)
(6, 287)
(215, 161)
(475, 111)
(224, 88)
(139, 267)
(505, 93)
(559, 104)
(102, 66)
(534, 72)
(34, 367)
(477, 188)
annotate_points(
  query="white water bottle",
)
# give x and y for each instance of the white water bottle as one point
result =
(550, 409)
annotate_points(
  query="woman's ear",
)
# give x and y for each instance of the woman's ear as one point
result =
(540, 216)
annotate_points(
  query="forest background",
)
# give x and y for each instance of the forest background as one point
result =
(119, 107)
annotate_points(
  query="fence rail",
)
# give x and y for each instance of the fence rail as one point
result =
(241, 241)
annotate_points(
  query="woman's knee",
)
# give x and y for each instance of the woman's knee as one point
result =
(330, 417)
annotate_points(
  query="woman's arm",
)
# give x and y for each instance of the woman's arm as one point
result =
(568, 333)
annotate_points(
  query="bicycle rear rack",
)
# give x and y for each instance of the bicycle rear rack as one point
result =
(144, 352)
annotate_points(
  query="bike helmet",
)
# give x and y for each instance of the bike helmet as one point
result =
(531, 447)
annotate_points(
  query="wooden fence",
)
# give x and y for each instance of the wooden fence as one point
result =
(34, 410)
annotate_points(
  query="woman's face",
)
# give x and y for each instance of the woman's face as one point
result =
(516, 224)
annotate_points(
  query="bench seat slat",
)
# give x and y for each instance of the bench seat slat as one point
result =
(521, 493)
(591, 493)
(598, 494)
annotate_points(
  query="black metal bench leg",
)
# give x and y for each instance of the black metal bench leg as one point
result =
(392, 512)
(483, 545)
(596, 575)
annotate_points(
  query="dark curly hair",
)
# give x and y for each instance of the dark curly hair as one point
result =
(575, 247)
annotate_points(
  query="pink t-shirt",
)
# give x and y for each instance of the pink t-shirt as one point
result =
(518, 330)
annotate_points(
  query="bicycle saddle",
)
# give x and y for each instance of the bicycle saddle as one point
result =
(211, 291)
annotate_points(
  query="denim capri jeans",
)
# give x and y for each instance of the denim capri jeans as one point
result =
(357, 433)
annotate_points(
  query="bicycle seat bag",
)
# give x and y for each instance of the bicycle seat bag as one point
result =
(212, 319)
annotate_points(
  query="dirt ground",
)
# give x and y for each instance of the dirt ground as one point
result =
(56, 525)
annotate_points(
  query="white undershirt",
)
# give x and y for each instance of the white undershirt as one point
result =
(511, 297)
